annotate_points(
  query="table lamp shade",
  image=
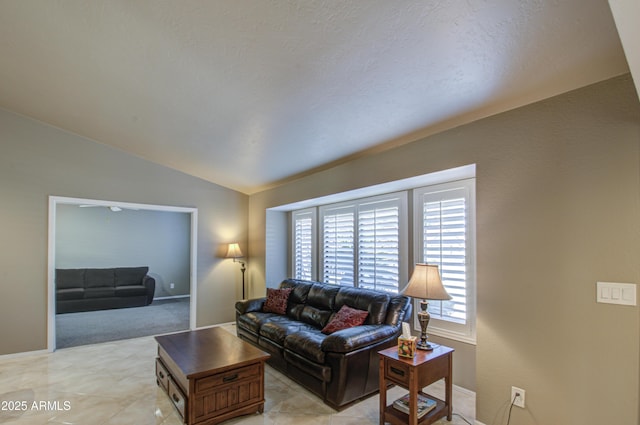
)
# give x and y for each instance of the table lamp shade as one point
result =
(425, 284)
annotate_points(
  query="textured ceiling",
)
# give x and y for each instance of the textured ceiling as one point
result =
(247, 93)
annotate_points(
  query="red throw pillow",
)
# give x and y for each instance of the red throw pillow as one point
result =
(345, 318)
(277, 300)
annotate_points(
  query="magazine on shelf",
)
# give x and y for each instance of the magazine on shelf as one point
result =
(425, 404)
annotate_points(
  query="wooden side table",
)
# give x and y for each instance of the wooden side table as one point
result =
(414, 374)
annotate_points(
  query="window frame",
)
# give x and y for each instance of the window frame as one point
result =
(410, 241)
(437, 326)
(363, 204)
(295, 215)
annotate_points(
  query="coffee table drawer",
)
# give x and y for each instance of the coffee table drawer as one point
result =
(228, 377)
(177, 398)
(162, 375)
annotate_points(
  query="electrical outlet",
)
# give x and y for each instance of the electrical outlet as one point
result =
(517, 396)
(172, 285)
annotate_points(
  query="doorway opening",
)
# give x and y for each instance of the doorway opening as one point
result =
(102, 228)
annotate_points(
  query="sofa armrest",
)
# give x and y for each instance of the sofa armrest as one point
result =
(357, 337)
(150, 284)
(246, 306)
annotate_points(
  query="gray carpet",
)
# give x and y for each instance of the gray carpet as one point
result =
(91, 327)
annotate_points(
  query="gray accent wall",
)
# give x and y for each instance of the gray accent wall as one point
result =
(38, 161)
(96, 237)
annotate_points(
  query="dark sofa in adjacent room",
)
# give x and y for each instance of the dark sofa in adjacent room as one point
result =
(312, 331)
(100, 289)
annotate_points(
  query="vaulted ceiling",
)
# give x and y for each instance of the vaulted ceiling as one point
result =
(248, 93)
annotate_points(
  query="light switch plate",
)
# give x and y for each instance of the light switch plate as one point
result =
(616, 293)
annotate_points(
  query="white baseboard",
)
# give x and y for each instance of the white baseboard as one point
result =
(172, 297)
(215, 326)
(479, 423)
(464, 390)
(23, 354)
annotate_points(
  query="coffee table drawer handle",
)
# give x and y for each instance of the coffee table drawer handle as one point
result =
(175, 398)
(230, 378)
(161, 374)
(397, 371)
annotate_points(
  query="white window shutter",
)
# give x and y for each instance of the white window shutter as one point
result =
(444, 235)
(303, 245)
(338, 247)
(379, 246)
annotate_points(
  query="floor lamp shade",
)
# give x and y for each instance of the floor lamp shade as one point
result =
(425, 284)
(234, 252)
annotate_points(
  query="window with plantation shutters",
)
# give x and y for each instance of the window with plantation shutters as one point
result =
(379, 246)
(444, 219)
(362, 242)
(338, 245)
(365, 242)
(304, 242)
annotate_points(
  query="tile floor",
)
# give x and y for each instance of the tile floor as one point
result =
(114, 383)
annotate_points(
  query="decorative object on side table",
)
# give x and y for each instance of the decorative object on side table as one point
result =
(235, 253)
(406, 342)
(407, 346)
(425, 284)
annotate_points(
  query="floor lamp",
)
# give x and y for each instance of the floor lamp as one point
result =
(425, 283)
(235, 253)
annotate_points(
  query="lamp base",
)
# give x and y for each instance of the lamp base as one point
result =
(423, 318)
(424, 346)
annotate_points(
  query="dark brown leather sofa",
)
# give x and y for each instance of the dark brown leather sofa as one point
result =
(341, 367)
(100, 289)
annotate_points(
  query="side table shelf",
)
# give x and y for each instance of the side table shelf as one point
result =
(394, 416)
(414, 374)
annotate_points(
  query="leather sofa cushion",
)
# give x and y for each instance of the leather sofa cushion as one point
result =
(127, 276)
(254, 320)
(395, 311)
(130, 291)
(246, 306)
(70, 294)
(306, 344)
(297, 298)
(363, 299)
(251, 321)
(300, 290)
(314, 316)
(99, 292)
(277, 331)
(323, 296)
(95, 278)
(357, 337)
(69, 278)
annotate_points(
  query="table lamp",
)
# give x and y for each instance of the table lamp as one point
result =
(425, 284)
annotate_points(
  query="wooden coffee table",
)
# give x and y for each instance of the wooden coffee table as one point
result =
(211, 375)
